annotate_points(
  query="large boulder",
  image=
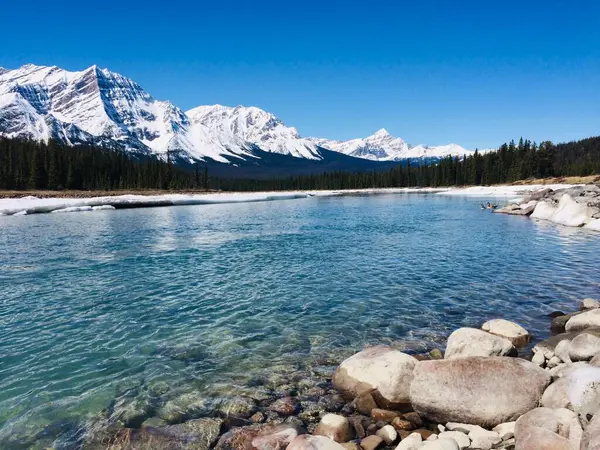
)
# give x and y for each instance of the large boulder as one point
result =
(477, 390)
(557, 395)
(561, 421)
(381, 369)
(587, 319)
(508, 330)
(584, 390)
(466, 342)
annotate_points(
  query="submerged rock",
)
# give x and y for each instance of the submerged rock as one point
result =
(477, 390)
(380, 369)
(307, 442)
(259, 437)
(473, 342)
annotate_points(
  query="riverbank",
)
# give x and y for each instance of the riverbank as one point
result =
(80, 202)
(483, 392)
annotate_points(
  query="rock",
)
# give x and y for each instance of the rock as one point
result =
(433, 437)
(441, 444)
(371, 442)
(561, 421)
(372, 429)
(441, 428)
(388, 434)
(425, 434)
(402, 424)
(257, 417)
(538, 359)
(364, 403)
(561, 351)
(536, 438)
(587, 319)
(351, 446)
(462, 427)
(334, 427)
(589, 303)
(184, 407)
(559, 322)
(483, 439)
(359, 425)
(436, 353)
(413, 418)
(477, 390)
(562, 370)
(505, 430)
(411, 442)
(285, 406)
(568, 212)
(583, 347)
(508, 330)
(131, 412)
(556, 395)
(384, 414)
(461, 439)
(584, 390)
(591, 436)
(276, 437)
(382, 368)
(240, 406)
(308, 442)
(553, 362)
(595, 361)
(473, 342)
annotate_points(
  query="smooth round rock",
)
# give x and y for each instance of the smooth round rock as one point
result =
(508, 330)
(334, 427)
(561, 421)
(410, 442)
(536, 438)
(584, 347)
(381, 369)
(587, 319)
(466, 342)
(477, 390)
(589, 303)
(388, 433)
(556, 395)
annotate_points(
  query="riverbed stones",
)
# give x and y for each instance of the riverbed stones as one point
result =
(413, 418)
(380, 369)
(583, 347)
(284, 406)
(259, 437)
(308, 442)
(466, 342)
(388, 433)
(508, 330)
(384, 414)
(334, 427)
(401, 424)
(587, 319)
(371, 442)
(240, 406)
(477, 390)
(505, 430)
(441, 444)
(365, 403)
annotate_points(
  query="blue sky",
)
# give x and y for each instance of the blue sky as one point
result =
(472, 72)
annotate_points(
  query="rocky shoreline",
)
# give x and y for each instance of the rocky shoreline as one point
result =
(487, 391)
(577, 206)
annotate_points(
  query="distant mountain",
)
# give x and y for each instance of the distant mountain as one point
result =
(103, 108)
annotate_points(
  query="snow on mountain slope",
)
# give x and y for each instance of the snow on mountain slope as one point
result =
(100, 107)
(382, 146)
(255, 126)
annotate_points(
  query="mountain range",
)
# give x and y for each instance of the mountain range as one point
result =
(99, 107)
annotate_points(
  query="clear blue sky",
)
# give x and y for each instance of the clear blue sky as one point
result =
(472, 72)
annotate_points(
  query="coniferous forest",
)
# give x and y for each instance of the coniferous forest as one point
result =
(29, 165)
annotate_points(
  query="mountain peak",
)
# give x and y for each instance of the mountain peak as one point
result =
(382, 133)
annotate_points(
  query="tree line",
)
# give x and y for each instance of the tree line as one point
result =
(26, 164)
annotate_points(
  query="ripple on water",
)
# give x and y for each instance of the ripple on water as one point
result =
(187, 303)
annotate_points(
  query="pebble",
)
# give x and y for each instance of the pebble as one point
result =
(384, 414)
(371, 442)
(402, 424)
(388, 434)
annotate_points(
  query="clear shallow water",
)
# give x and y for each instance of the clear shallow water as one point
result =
(207, 297)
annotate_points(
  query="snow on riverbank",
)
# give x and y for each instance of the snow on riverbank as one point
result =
(34, 205)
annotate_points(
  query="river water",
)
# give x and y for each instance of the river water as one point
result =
(206, 298)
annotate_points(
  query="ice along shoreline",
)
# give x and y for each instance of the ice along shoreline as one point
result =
(34, 205)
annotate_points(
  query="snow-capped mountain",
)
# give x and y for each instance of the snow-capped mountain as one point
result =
(100, 107)
(382, 146)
